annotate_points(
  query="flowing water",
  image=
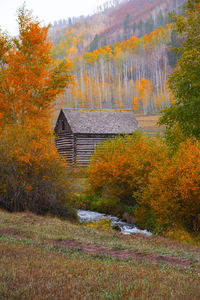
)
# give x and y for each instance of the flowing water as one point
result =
(126, 228)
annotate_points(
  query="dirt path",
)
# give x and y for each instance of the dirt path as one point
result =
(122, 254)
(116, 253)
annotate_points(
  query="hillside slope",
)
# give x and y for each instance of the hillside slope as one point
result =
(138, 17)
(116, 22)
(120, 56)
(46, 258)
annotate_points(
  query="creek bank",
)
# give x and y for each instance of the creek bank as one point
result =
(116, 223)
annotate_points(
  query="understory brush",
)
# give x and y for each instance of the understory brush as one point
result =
(101, 224)
(97, 203)
(32, 174)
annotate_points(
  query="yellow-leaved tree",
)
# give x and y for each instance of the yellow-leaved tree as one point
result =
(121, 166)
(173, 192)
(32, 174)
(29, 82)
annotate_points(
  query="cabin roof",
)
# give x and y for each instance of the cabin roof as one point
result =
(105, 121)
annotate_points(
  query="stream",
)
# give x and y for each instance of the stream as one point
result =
(125, 228)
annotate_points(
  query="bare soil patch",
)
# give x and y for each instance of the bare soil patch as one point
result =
(11, 232)
(121, 254)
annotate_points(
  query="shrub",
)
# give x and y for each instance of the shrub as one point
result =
(182, 235)
(121, 166)
(173, 191)
(127, 213)
(106, 205)
(97, 203)
(144, 217)
(101, 225)
(32, 174)
(82, 201)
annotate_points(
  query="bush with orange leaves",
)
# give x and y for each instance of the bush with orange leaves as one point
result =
(32, 174)
(173, 192)
(121, 166)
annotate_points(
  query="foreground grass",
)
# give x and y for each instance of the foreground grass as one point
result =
(32, 267)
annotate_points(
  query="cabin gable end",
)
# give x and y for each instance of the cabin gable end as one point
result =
(62, 125)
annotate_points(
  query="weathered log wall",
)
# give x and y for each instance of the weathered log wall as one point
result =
(85, 145)
(65, 146)
(78, 149)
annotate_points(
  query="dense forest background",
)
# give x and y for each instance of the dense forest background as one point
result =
(120, 56)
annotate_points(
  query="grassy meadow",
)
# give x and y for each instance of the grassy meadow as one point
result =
(47, 258)
(148, 124)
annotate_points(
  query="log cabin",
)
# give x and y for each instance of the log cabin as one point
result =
(78, 131)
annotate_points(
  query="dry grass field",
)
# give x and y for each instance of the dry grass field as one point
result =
(148, 124)
(46, 258)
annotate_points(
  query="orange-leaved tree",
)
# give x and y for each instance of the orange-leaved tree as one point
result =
(173, 192)
(32, 174)
(29, 82)
(121, 166)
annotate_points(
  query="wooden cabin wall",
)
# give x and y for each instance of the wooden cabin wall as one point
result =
(65, 146)
(85, 145)
(78, 148)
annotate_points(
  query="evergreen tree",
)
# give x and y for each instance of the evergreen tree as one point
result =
(167, 19)
(173, 55)
(95, 43)
(134, 27)
(141, 28)
(104, 42)
(160, 19)
(126, 25)
(149, 25)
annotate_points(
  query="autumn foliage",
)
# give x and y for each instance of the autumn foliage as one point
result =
(129, 74)
(32, 174)
(122, 166)
(29, 83)
(173, 192)
(162, 184)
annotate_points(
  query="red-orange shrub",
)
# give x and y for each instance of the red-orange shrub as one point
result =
(121, 166)
(32, 174)
(173, 191)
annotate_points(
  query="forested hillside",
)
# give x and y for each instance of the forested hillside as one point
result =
(120, 56)
(138, 17)
(114, 21)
